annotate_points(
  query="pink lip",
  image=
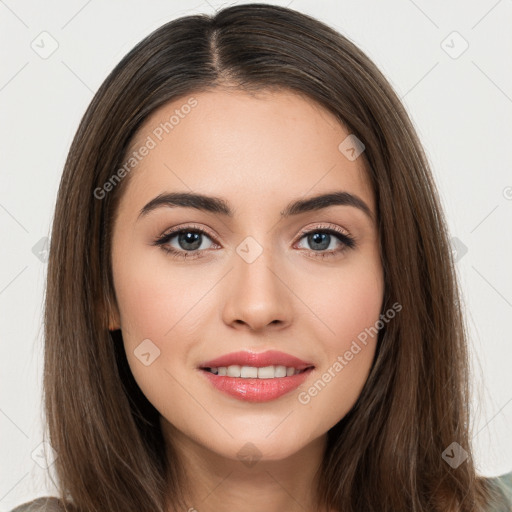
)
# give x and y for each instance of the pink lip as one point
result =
(257, 390)
(259, 360)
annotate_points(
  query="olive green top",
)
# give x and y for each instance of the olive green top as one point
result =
(45, 504)
(504, 483)
(51, 504)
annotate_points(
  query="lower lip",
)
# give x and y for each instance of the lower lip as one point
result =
(257, 390)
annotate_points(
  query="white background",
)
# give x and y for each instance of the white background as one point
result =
(461, 107)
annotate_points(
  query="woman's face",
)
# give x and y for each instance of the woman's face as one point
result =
(248, 273)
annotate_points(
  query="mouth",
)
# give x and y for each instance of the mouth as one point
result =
(256, 377)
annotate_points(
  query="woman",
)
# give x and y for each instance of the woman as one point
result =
(251, 300)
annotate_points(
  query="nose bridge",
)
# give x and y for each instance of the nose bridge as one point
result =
(253, 264)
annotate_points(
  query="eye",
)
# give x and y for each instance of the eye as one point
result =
(189, 241)
(323, 237)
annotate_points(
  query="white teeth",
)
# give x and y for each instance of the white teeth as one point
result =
(248, 371)
(252, 372)
(233, 371)
(267, 372)
(280, 371)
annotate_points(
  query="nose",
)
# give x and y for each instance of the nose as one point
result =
(257, 295)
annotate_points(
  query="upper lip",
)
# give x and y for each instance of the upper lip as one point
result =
(261, 359)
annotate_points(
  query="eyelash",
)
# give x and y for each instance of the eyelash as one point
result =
(347, 241)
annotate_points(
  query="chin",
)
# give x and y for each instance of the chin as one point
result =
(257, 445)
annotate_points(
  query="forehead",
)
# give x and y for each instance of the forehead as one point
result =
(271, 146)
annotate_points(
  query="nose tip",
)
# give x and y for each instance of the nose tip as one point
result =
(256, 296)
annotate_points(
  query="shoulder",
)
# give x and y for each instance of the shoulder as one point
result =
(44, 504)
(503, 486)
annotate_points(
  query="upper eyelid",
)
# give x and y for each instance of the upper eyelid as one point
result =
(325, 226)
(191, 227)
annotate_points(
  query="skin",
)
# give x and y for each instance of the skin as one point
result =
(258, 153)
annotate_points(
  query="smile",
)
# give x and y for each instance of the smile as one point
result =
(252, 377)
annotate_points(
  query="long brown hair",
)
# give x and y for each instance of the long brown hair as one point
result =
(386, 453)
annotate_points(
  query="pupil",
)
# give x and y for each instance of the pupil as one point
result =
(189, 238)
(316, 238)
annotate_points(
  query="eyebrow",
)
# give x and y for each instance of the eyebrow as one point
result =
(221, 206)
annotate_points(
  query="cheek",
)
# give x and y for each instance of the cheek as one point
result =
(143, 308)
(349, 303)
(153, 296)
(166, 305)
(161, 304)
(350, 308)
(353, 309)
